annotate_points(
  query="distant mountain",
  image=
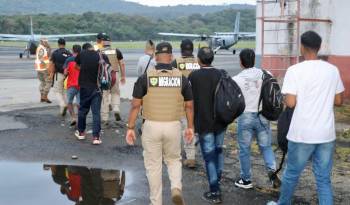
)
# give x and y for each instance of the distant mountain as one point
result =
(15, 7)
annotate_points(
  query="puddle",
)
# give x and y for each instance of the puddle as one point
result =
(33, 184)
(10, 123)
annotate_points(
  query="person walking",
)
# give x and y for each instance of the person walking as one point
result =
(164, 93)
(72, 74)
(41, 66)
(111, 98)
(251, 123)
(312, 88)
(58, 58)
(187, 63)
(146, 61)
(210, 132)
(88, 61)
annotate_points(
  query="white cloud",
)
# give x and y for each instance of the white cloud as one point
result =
(186, 2)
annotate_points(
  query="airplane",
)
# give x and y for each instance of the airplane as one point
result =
(220, 40)
(33, 39)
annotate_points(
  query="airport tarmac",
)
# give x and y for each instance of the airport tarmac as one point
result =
(32, 134)
(19, 84)
(12, 67)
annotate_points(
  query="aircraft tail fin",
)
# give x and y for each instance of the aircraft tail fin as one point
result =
(236, 28)
(31, 26)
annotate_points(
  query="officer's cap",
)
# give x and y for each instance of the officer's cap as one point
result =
(164, 47)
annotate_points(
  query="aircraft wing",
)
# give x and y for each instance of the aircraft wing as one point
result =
(181, 35)
(14, 37)
(67, 35)
(247, 34)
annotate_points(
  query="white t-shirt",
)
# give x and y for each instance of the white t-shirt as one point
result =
(142, 64)
(315, 83)
(250, 81)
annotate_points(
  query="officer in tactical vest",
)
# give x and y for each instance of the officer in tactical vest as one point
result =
(186, 64)
(111, 98)
(164, 94)
(42, 67)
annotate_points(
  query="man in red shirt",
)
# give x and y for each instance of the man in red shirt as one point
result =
(72, 74)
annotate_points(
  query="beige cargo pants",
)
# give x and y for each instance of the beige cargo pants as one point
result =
(110, 97)
(60, 93)
(161, 141)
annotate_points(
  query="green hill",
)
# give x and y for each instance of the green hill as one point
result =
(127, 27)
(15, 7)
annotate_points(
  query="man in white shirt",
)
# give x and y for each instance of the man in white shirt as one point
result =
(312, 88)
(146, 61)
(250, 123)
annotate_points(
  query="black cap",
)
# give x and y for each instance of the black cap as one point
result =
(100, 36)
(186, 45)
(106, 38)
(164, 47)
(61, 41)
(103, 37)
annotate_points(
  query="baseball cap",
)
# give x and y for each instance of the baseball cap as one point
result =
(164, 47)
(103, 37)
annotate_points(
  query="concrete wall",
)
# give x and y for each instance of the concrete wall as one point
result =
(336, 36)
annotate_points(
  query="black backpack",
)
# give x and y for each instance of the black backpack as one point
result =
(61, 56)
(283, 124)
(229, 100)
(271, 97)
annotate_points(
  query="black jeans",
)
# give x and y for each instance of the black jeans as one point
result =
(90, 98)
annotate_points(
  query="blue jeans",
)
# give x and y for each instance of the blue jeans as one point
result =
(322, 162)
(249, 125)
(212, 152)
(90, 98)
(71, 93)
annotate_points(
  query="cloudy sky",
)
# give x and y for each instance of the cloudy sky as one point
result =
(206, 2)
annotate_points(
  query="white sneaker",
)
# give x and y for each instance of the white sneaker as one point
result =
(271, 203)
(80, 135)
(96, 141)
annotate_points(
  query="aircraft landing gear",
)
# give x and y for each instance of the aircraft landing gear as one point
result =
(20, 55)
(234, 52)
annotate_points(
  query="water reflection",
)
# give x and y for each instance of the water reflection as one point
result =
(88, 186)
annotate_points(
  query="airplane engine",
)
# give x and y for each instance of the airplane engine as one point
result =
(32, 48)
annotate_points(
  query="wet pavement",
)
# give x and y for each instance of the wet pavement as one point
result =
(33, 135)
(10, 123)
(36, 183)
(48, 139)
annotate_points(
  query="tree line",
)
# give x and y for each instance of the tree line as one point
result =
(125, 27)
